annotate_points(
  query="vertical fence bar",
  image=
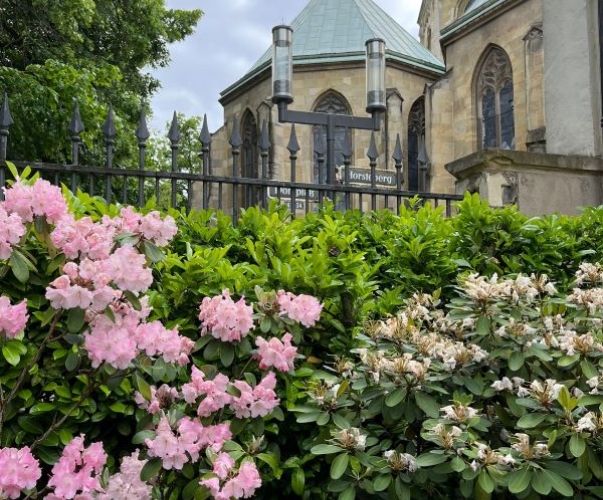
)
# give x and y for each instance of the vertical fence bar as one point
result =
(264, 145)
(293, 147)
(76, 127)
(347, 159)
(398, 157)
(110, 132)
(206, 157)
(174, 136)
(142, 134)
(320, 149)
(235, 143)
(373, 154)
(6, 120)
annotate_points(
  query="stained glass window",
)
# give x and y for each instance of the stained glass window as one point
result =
(416, 138)
(495, 101)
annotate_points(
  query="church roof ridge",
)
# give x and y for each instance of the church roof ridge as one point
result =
(344, 27)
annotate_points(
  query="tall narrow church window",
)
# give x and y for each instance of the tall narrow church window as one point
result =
(249, 156)
(331, 102)
(494, 89)
(416, 139)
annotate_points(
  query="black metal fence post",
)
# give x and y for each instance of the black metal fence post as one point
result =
(293, 147)
(206, 157)
(142, 134)
(235, 142)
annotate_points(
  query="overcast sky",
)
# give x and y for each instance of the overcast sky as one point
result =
(230, 37)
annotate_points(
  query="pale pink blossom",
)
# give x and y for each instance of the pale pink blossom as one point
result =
(304, 309)
(78, 470)
(276, 353)
(257, 401)
(19, 470)
(12, 318)
(11, 230)
(126, 484)
(39, 199)
(83, 238)
(127, 269)
(242, 485)
(224, 318)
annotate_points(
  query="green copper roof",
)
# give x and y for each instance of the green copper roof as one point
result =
(474, 4)
(475, 10)
(328, 31)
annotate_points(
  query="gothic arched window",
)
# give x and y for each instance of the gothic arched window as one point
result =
(416, 140)
(494, 97)
(331, 102)
(249, 156)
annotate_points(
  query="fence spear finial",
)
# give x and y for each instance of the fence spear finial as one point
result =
(372, 152)
(293, 145)
(142, 131)
(235, 138)
(6, 119)
(397, 156)
(205, 135)
(76, 127)
(174, 134)
(109, 127)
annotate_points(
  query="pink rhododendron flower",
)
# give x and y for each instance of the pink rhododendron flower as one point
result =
(83, 238)
(302, 308)
(40, 199)
(223, 464)
(225, 319)
(161, 398)
(241, 485)
(12, 318)
(126, 484)
(214, 391)
(110, 342)
(19, 470)
(78, 470)
(257, 401)
(11, 230)
(151, 226)
(156, 339)
(275, 353)
(127, 269)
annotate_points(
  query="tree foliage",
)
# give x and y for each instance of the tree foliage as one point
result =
(53, 52)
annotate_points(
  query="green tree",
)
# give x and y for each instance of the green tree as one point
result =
(53, 52)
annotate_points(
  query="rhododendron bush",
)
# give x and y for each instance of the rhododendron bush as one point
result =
(99, 396)
(497, 394)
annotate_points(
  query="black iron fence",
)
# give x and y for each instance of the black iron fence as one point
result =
(227, 190)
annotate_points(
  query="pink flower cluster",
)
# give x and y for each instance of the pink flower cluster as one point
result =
(77, 473)
(224, 318)
(161, 398)
(191, 436)
(12, 318)
(126, 484)
(240, 485)
(254, 402)
(150, 226)
(276, 353)
(119, 340)
(304, 309)
(19, 470)
(83, 238)
(11, 230)
(39, 199)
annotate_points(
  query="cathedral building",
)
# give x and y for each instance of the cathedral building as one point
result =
(500, 97)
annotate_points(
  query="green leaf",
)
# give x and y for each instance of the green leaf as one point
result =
(143, 387)
(152, 252)
(11, 352)
(339, 465)
(485, 481)
(348, 494)
(482, 326)
(133, 299)
(272, 462)
(382, 482)
(516, 361)
(72, 361)
(395, 397)
(564, 469)
(298, 481)
(75, 319)
(530, 420)
(151, 469)
(577, 446)
(540, 483)
(18, 265)
(428, 404)
(340, 421)
(519, 481)
(558, 483)
(429, 459)
(325, 449)
(227, 354)
(457, 464)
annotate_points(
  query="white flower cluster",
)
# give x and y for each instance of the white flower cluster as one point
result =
(526, 450)
(483, 290)
(446, 437)
(459, 413)
(589, 273)
(350, 439)
(401, 462)
(486, 456)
